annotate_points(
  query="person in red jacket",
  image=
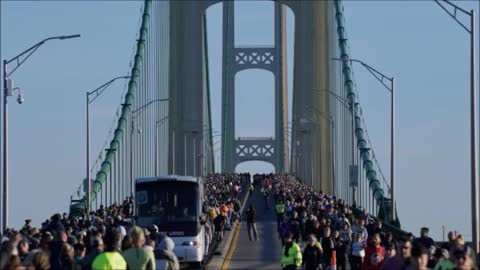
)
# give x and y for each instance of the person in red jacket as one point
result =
(375, 255)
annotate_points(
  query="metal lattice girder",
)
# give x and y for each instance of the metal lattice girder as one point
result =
(255, 148)
(255, 57)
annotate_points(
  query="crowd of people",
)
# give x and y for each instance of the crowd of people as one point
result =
(317, 230)
(107, 239)
(320, 231)
(222, 201)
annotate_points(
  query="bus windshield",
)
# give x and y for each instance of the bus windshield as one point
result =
(171, 205)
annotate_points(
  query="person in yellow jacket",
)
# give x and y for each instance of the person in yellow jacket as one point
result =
(279, 210)
(110, 259)
(213, 212)
(291, 254)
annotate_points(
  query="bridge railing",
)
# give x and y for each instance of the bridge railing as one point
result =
(369, 165)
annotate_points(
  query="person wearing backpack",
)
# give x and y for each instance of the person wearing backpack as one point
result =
(219, 223)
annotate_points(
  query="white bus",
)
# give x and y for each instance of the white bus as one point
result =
(174, 205)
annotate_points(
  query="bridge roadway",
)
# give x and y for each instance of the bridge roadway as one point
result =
(264, 253)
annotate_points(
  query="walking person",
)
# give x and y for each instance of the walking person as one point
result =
(357, 252)
(279, 210)
(284, 229)
(328, 245)
(138, 257)
(251, 226)
(374, 255)
(295, 225)
(312, 254)
(341, 251)
(111, 258)
(165, 258)
(291, 254)
(265, 196)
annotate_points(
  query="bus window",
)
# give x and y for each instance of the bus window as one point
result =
(170, 205)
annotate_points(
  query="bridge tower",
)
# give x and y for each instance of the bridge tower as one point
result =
(189, 128)
(311, 158)
(236, 150)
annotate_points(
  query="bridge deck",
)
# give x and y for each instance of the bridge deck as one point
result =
(261, 254)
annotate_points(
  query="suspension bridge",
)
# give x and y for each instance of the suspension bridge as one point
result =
(164, 122)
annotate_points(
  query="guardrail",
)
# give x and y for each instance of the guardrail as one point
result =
(254, 138)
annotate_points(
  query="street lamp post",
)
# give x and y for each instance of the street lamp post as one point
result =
(299, 173)
(332, 150)
(98, 91)
(473, 109)
(7, 91)
(206, 132)
(391, 88)
(158, 124)
(194, 135)
(304, 139)
(344, 102)
(143, 107)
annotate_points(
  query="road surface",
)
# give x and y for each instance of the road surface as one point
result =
(264, 253)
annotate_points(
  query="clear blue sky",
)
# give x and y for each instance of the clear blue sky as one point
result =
(415, 41)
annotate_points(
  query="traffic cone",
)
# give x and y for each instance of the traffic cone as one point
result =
(333, 261)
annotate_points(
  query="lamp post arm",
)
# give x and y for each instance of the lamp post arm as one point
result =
(330, 119)
(454, 15)
(104, 86)
(377, 74)
(32, 49)
(161, 121)
(339, 98)
(144, 106)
